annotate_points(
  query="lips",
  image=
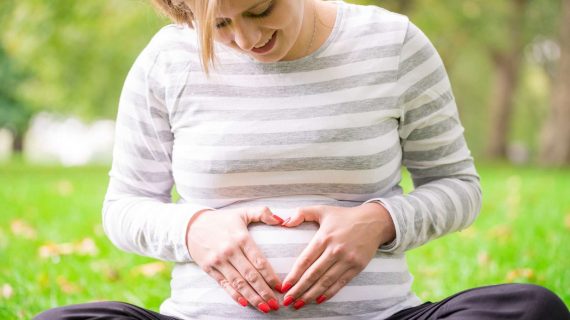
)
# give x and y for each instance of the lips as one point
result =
(267, 46)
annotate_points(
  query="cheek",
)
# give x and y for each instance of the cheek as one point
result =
(223, 37)
(285, 16)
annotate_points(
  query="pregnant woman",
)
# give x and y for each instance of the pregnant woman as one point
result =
(284, 125)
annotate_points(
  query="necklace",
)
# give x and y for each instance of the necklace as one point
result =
(314, 30)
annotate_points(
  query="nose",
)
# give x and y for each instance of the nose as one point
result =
(246, 35)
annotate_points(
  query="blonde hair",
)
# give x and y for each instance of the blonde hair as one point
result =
(204, 15)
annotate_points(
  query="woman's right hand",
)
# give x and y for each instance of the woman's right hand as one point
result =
(220, 244)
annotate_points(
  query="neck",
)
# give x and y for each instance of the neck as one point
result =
(318, 19)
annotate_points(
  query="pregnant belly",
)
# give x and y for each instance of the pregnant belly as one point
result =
(281, 246)
(385, 277)
(382, 287)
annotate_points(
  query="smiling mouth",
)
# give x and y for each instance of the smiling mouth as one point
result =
(268, 45)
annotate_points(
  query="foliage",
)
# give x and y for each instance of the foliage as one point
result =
(54, 251)
(14, 114)
(467, 34)
(78, 52)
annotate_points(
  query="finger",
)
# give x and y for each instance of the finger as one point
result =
(224, 283)
(336, 286)
(312, 213)
(327, 280)
(262, 214)
(314, 273)
(255, 279)
(309, 255)
(259, 262)
(238, 283)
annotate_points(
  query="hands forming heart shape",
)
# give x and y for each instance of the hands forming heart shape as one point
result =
(346, 241)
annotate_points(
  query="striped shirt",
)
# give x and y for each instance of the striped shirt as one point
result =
(331, 128)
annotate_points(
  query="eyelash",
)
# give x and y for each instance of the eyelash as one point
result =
(262, 15)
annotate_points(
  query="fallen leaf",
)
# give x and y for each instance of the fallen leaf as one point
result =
(50, 250)
(520, 274)
(483, 258)
(21, 228)
(501, 232)
(85, 247)
(109, 272)
(66, 286)
(7, 291)
(150, 270)
(64, 188)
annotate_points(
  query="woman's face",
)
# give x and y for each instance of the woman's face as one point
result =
(266, 30)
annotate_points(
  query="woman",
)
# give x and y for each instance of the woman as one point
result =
(283, 125)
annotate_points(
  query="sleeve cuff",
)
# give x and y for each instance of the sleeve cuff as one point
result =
(182, 214)
(394, 244)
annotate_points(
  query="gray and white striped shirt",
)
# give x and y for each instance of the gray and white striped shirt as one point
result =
(331, 128)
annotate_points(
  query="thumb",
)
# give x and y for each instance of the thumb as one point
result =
(262, 214)
(304, 214)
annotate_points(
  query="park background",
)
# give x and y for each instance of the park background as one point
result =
(62, 65)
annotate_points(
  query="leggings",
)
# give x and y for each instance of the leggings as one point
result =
(504, 302)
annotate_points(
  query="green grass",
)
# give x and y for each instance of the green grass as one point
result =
(520, 236)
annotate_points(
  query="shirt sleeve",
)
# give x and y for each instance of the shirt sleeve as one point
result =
(138, 215)
(447, 193)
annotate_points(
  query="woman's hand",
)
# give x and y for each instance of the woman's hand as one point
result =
(220, 244)
(343, 246)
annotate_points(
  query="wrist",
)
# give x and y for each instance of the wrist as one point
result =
(193, 219)
(387, 231)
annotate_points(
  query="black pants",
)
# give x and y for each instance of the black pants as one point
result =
(505, 302)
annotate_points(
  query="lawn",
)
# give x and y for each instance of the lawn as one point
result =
(54, 252)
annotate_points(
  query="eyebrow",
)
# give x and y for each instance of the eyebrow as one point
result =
(255, 5)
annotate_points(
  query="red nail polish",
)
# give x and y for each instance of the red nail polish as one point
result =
(242, 301)
(273, 304)
(263, 307)
(299, 304)
(288, 300)
(286, 287)
(278, 287)
(278, 219)
(286, 221)
(321, 299)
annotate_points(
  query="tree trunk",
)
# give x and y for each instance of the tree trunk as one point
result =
(507, 65)
(18, 142)
(555, 138)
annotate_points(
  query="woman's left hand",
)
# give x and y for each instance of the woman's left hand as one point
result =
(343, 246)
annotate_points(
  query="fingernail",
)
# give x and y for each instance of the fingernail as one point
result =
(242, 301)
(273, 304)
(286, 286)
(286, 221)
(263, 307)
(321, 299)
(299, 304)
(278, 218)
(288, 300)
(278, 287)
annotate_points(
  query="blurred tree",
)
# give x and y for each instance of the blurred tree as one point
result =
(556, 132)
(507, 63)
(14, 114)
(483, 45)
(77, 53)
